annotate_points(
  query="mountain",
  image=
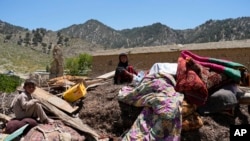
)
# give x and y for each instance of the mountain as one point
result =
(152, 35)
(95, 32)
(7, 28)
(219, 30)
(93, 35)
(158, 34)
(28, 50)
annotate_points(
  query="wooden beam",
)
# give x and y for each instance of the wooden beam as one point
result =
(68, 120)
(5, 117)
(54, 100)
(107, 75)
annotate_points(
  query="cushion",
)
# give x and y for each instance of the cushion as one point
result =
(190, 84)
(15, 124)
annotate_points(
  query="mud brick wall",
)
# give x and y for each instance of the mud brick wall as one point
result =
(144, 61)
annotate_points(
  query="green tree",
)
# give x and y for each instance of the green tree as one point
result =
(27, 38)
(79, 65)
(60, 40)
(72, 66)
(8, 37)
(84, 63)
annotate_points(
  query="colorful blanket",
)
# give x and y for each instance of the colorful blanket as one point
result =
(231, 69)
(160, 119)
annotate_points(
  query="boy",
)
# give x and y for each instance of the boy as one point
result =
(25, 106)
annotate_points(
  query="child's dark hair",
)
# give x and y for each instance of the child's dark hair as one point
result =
(28, 82)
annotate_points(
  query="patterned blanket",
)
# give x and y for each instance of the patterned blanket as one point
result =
(160, 118)
(56, 131)
(231, 69)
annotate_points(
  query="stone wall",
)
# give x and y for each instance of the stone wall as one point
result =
(142, 61)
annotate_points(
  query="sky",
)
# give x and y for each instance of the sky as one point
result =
(119, 14)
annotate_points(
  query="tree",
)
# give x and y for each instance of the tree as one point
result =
(27, 38)
(60, 40)
(79, 65)
(8, 37)
(72, 66)
(84, 63)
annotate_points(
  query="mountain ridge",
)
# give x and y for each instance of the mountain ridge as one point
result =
(95, 37)
(95, 33)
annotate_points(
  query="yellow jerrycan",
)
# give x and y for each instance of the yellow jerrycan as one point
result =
(75, 92)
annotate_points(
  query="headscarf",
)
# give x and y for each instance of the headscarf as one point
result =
(121, 64)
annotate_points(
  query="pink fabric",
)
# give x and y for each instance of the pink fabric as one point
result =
(204, 61)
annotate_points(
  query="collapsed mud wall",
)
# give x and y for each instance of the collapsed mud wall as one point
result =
(143, 61)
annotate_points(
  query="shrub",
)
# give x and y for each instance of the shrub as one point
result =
(9, 83)
(79, 65)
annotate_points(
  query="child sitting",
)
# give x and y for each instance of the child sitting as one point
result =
(124, 72)
(25, 106)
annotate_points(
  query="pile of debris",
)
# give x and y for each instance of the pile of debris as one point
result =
(52, 96)
(97, 114)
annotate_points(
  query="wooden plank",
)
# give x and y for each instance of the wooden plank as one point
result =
(5, 117)
(95, 85)
(107, 75)
(246, 89)
(54, 100)
(91, 82)
(68, 120)
(245, 99)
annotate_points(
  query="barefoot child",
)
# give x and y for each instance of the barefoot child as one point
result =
(25, 106)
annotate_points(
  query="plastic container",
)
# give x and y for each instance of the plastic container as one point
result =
(75, 92)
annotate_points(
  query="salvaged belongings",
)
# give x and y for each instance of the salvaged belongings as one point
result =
(50, 132)
(191, 120)
(15, 124)
(224, 99)
(74, 93)
(198, 77)
(160, 118)
(170, 68)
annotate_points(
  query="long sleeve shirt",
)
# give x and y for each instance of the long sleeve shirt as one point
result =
(22, 103)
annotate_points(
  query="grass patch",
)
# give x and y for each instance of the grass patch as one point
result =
(22, 59)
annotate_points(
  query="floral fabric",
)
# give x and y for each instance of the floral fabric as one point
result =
(160, 119)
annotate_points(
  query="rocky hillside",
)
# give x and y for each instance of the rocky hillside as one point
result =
(94, 35)
(159, 34)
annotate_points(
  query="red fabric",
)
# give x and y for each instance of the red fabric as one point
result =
(190, 84)
(130, 69)
(124, 75)
(15, 124)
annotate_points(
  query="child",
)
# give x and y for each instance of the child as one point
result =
(25, 106)
(124, 72)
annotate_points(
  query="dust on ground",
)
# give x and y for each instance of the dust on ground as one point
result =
(102, 111)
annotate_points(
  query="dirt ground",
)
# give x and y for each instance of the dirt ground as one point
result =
(107, 116)
(102, 111)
